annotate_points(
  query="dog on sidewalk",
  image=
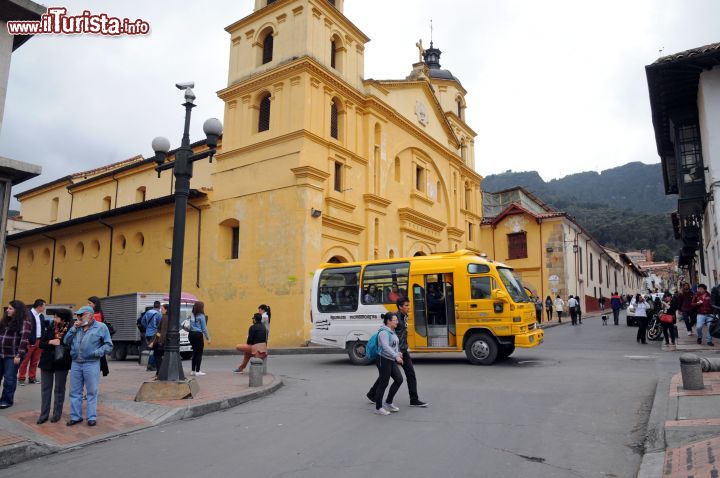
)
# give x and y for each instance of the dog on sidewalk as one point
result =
(604, 318)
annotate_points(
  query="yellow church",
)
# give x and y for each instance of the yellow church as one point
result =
(316, 164)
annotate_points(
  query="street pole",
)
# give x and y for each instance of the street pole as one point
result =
(171, 367)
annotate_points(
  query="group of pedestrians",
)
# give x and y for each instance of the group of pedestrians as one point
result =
(697, 309)
(153, 325)
(573, 305)
(72, 342)
(392, 353)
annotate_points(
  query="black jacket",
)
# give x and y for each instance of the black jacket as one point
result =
(33, 332)
(257, 334)
(402, 331)
(47, 357)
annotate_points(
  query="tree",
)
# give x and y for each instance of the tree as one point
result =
(662, 253)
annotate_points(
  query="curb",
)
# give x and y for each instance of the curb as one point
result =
(288, 351)
(654, 455)
(28, 450)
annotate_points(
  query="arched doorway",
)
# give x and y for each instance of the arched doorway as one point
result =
(337, 260)
(419, 253)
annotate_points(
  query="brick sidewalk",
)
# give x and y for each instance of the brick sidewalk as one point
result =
(692, 429)
(118, 413)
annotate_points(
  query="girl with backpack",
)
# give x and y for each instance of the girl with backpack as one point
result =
(549, 307)
(389, 356)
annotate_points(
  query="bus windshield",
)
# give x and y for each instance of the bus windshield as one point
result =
(513, 285)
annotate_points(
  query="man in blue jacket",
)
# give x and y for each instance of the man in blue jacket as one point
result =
(89, 340)
(151, 321)
(616, 304)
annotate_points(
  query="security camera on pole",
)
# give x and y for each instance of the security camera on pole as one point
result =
(172, 382)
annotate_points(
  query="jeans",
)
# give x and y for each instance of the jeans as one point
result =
(573, 316)
(687, 318)
(198, 345)
(409, 374)
(151, 357)
(387, 368)
(8, 371)
(59, 377)
(616, 316)
(85, 374)
(703, 319)
(29, 363)
(668, 332)
(642, 329)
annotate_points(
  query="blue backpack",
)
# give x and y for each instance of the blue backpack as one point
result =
(372, 349)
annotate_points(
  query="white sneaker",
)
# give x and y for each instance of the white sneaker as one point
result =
(391, 407)
(192, 373)
(690, 333)
(200, 373)
(381, 411)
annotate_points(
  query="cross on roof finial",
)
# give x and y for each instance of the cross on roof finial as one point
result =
(431, 33)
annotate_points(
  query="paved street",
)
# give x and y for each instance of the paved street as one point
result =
(576, 407)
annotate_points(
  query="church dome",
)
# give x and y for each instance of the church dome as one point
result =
(432, 60)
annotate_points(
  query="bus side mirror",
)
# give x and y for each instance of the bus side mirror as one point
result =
(499, 295)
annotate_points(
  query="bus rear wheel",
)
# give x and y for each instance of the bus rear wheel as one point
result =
(356, 352)
(481, 349)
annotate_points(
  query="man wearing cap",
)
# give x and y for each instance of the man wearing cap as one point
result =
(88, 340)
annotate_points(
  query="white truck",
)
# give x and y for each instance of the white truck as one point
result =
(122, 311)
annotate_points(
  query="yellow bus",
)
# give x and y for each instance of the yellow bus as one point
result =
(458, 301)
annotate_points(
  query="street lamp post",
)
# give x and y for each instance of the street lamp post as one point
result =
(171, 368)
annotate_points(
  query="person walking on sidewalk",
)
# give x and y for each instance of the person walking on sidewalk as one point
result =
(702, 303)
(14, 333)
(158, 344)
(549, 308)
(572, 309)
(29, 364)
(538, 309)
(616, 305)
(403, 306)
(198, 329)
(559, 304)
(686, 308)
(579, 309)
(151, 321)
(669, 307)
(389, 356)
(256, 344)
(641, 316)
(88, 340)
(54, 366)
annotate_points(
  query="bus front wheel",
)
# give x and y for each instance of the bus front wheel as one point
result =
(356, 352)
(481, 349)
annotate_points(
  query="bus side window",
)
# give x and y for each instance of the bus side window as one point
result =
(385, 283)
(481, 287)
(420, 316)
(337, 290)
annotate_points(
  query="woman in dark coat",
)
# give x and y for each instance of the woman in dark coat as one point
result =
(670, 305)
(54, 372)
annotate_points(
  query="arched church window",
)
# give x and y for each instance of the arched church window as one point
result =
(333, 53)
(267, 54)
(334, 119)
(264, 116)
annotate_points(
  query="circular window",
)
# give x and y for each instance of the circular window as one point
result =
(61, 253)
(79, 251)
(30, 256)
(46, 256)
(138, 241)
(120, 244)
(95, 248)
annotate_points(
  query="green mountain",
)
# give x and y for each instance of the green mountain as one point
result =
(624, 208)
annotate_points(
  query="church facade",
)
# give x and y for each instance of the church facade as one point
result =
(317, 164)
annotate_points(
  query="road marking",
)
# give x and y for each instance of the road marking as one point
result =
(641, 357)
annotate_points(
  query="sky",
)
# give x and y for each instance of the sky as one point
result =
(556, 86)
